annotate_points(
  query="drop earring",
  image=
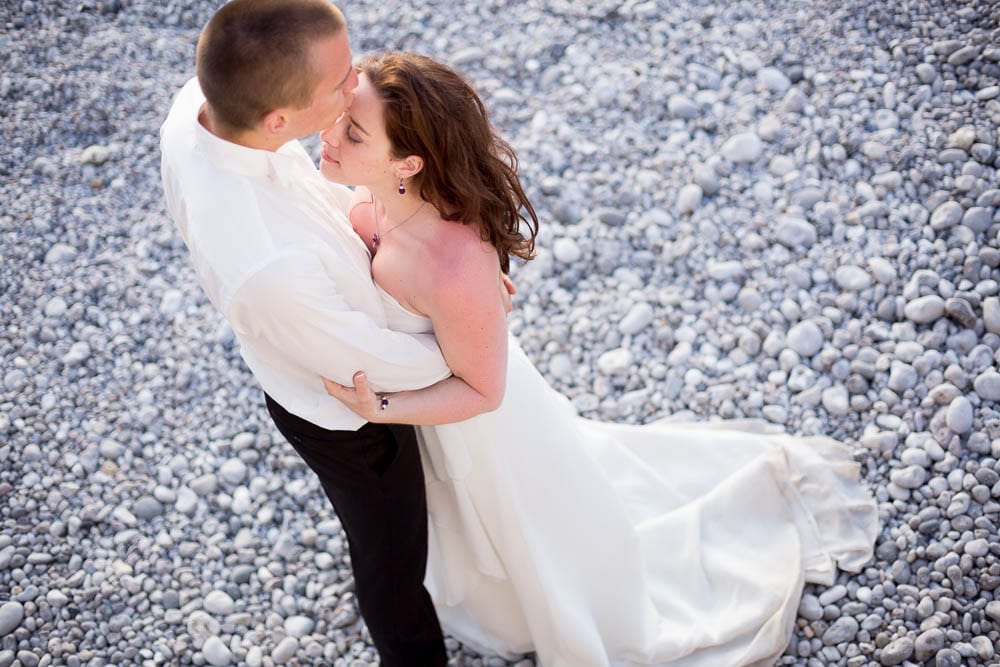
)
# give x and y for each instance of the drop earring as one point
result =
(402, 188)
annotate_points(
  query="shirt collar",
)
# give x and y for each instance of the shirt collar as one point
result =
(286, 166)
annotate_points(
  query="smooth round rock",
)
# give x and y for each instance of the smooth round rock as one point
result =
(795, 233)
(219, 602)
(947, 215)
(689, 198)
(928, 643)
(924, 309)
(216, 652)
(11, 615)
(615, 362)
(806, 338)
(842, 630)
(959, 415)
(743, 148)
(566, 250)
(897, 652)
(299, 626)
(987, 385)
(852, 278)
(910, 477)
(636, 319)
(285, 650)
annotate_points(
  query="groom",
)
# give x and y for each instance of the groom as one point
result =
(275, 254)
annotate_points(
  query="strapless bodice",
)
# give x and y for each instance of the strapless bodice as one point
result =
(398, 318)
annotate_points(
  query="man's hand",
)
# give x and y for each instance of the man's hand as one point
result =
(360, 399)
(507, 290)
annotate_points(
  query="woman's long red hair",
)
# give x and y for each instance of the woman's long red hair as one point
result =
(470, 173)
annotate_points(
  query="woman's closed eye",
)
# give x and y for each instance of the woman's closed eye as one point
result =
(352, 135)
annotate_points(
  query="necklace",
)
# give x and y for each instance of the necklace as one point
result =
(377, 237)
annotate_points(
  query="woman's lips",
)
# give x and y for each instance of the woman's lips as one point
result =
(326, 158)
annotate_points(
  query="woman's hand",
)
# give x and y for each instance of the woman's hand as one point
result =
(360, 399)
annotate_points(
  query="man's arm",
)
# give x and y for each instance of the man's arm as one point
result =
(294, 308)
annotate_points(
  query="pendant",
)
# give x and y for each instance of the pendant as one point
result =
(375, 241)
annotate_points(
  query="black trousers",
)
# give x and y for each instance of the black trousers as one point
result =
(375, 481)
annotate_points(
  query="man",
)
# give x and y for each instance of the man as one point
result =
(277, 257)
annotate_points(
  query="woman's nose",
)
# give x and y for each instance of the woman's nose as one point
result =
(329, 135)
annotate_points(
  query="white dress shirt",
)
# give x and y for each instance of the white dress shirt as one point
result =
(274, 251)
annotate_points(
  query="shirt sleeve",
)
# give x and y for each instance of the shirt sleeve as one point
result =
(293, 308)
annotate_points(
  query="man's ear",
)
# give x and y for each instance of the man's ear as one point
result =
(410, 166)
(274, 122)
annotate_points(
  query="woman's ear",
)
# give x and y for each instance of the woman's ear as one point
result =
(410, 166)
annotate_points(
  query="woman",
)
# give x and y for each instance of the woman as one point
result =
(588, 543)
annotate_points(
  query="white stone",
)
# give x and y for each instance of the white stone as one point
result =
(299, 626)
(991, 314)
(727, 270)
(987, 385)
(561, 365)
(852, 278)
(636, 319)
(56, 307)
(216, 652)
(743, 147)
(806, 338)
(836, 400)
(233, 471)
(925, 309)
(255, 657)
(689, 198)
(977, 548)
(795, 233)
(219, 602)
(882, 269)
(946, 215)
(566, 250)
(959, 415)
(910, 477)
(285, 650)
(615, 362)
(95, 155)
(681, 106)
(171, 302)
(78, 353)
(774, 80)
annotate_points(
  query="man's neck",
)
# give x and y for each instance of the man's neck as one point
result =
(248, 138)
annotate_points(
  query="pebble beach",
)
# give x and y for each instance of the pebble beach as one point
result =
(785, 211)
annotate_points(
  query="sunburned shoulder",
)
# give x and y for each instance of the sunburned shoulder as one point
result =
(460, 254)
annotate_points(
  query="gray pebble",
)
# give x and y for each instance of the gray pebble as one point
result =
(897, 651)
(11, 615)
(842, 630)
(928, 643)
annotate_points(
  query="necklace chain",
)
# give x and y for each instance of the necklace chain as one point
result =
(377, 236)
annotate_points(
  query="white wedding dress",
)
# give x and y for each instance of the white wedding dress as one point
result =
(595, 544)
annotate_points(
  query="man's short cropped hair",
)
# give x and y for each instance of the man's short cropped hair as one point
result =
(253, 57)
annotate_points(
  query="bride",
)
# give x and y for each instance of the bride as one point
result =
(591, 544)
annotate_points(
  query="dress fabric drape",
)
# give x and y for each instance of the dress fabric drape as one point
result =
(597, 544)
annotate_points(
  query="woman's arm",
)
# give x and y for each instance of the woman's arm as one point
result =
(461, 293)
